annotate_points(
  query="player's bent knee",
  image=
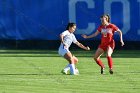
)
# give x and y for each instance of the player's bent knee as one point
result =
(108, 55)
(75, 60)
(95, 58)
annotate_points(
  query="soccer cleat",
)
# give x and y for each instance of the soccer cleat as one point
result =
(76, 72)
(64, 72)
(102, 70)
(111, 71)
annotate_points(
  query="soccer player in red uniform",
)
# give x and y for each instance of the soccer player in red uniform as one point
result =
(107, 44)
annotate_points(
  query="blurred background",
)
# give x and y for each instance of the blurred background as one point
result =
(36, 24)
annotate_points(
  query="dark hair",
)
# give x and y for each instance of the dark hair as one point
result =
(106, 16)
(70, 25)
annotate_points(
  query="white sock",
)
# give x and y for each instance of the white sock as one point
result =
(67, 67)
(72, 69)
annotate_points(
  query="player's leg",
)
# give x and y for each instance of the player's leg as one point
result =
(75, 59)
(65, 70)
(75, 62)
(109, 58)
(97, 55)
(68, 56)
(62, 51)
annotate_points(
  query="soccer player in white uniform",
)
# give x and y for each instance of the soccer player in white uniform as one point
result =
(67, 38)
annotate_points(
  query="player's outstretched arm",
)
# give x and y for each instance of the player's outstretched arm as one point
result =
(82, 46)
(121, 38)
(91, 36)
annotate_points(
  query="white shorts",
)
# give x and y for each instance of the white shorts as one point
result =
(62, 50)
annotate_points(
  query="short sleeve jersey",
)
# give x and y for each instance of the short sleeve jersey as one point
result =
(68, 38)
(107, 33)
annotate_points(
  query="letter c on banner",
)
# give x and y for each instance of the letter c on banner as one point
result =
(72, 15)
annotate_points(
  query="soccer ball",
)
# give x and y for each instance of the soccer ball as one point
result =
(76, 71)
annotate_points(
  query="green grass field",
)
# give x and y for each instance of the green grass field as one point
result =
(38, 71)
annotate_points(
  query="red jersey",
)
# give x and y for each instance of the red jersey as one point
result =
(107, 33)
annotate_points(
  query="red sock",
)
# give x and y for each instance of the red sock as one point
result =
(99, 62)
(110, 62)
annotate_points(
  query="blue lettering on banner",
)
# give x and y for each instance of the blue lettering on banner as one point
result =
(46, 19)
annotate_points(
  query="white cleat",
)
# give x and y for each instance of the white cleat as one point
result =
(64, 72)
(76, 72)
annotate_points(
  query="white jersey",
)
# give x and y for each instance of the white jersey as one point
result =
(68, 38)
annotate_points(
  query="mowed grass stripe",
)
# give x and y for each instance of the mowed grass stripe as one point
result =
(36, 72)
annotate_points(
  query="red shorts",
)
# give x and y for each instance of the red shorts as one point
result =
(104, 47)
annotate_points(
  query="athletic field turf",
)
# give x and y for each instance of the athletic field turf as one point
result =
(38, 71)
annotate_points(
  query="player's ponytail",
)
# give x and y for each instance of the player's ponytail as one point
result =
(70, 25)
